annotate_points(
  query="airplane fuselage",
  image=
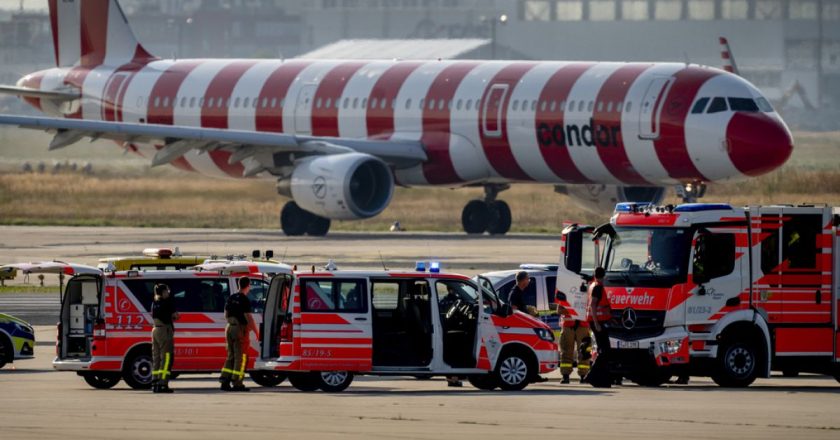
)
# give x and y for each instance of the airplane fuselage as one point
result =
(640, 124)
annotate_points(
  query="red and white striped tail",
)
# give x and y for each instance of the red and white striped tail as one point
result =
(726, 54)
(91, 33)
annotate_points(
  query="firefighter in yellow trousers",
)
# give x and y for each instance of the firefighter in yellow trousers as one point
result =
(238, 327)
(573, 336)
(163, 338)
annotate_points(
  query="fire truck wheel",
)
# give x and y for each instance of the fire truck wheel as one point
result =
(102, 381)
(486, 382)
(474, 217)
(137, 369)
(267, 378)
(334, 381)
(737, 364)
(514, 370)
(305, 381)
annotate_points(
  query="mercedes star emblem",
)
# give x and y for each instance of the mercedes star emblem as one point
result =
(628, 318)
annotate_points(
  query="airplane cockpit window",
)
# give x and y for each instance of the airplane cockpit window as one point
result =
(742, 105)
(718, 105)
(699, 106)
(763, 105)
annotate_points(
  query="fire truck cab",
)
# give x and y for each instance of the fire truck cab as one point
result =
(104, 330)
(322, 328)
(712, 290)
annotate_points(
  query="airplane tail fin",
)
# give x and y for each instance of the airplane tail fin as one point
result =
(728, 60)
(91, 33)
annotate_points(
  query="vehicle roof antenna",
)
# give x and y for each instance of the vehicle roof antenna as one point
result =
(283, 260)
(383, 262)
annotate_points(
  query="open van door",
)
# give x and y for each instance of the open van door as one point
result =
(80, 304)
(276, 332)
(579, 255)
(488, 336)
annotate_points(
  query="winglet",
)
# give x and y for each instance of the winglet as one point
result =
(728, 60)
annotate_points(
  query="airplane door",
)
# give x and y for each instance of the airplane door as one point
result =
(491, 110)
(651, 107)
(303, 109)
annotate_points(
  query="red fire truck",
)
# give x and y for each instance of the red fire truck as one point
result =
(712, 290)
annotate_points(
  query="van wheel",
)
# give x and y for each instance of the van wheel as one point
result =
(737, 364)
(102, 381)
(513, 371)
(5, 351)
(305, 381)
(267, 378)
(334, 381)
(137, 371)
(486, 382)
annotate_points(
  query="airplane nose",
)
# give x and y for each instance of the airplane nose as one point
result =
(757, 143)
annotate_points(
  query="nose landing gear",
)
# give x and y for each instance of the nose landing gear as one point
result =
(488, 215)
(691, 192)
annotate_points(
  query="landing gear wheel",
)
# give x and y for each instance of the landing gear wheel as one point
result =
(137, 370)
(305, 381)
(513, 372)
(267, 378)
(334, 381)
(500, 218)
(486, 382)
(102, 381)
(294, 220)
(318, 226)
(737, 364)
(475, 217)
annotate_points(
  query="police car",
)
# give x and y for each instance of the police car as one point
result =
(539, 293)
(17, 339)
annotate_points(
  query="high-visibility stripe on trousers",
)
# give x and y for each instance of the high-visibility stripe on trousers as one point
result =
(570, 341)
(163, 352)
(237, 359)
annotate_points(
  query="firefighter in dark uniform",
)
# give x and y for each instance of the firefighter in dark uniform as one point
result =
(574, 338)
(237, 330)
(163, 338)
(600, 313)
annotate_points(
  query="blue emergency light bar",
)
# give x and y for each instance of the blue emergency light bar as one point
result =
(699, 207)
(631, 206)
(434, 267)
(420, 266)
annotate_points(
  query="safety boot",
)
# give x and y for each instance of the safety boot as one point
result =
(565, 379)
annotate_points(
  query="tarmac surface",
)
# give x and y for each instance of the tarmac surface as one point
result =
(38, 402)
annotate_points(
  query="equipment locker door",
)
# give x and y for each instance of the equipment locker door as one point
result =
(276, 329)
(335, 324)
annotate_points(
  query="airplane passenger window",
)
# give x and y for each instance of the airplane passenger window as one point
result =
(534, 105)
(600, 106)
(515, 104)
(469, 104)
(192, 102)
(422, 101)
(580, 106)
(273, 102)
(699, 106)
(183, 101)
(282, 101)
(264, 102)
(201, 102)
(627, 107)
(355, 102)
(458, 105)
(346, 103)
(245, 102)
(236, 102)
(210, 102)
(254, 103)
(408, 103)
(219, 102)
(431, 104)
(364, 102)
(618, 106)
(393, 104)
(227, 102)
(717, 105)
(318, 103)
(553, 106)
(328, 103)
(742, 105)
(543, 105)
(373, 102)
(589, 106)
(440, 104)
(449, 105)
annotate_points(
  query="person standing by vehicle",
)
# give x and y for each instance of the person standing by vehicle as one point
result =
(572, 336)
(516, 296)
(237, 308)
(163, 338)
(600, 313)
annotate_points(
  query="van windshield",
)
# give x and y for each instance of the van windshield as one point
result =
(656, 257)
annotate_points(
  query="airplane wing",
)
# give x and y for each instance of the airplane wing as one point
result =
(245, 146)
(26, 92)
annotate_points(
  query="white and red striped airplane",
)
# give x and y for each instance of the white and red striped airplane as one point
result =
(339, 135)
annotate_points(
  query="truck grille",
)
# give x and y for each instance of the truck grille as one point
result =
(642, 324)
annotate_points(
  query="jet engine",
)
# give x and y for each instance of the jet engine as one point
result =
(601, 199)
(345, 186)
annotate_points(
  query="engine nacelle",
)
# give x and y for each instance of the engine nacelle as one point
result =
(601, 199)
(342, 186)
